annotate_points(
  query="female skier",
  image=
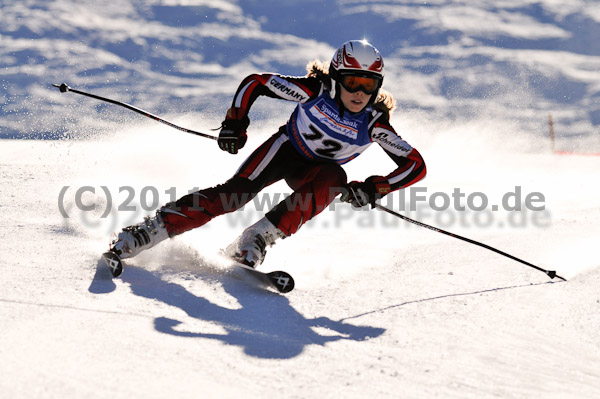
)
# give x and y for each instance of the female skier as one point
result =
(340, 112)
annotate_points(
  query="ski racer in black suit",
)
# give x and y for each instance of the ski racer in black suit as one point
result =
(341, 111)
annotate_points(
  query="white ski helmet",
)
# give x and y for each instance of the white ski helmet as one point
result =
(357, 59)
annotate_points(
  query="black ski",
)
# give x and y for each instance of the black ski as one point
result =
(114, 263)
(282, 281)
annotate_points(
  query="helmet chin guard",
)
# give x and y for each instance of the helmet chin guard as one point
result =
(333, 88)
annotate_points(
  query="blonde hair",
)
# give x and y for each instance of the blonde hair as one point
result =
(384, 102)
(316, 69)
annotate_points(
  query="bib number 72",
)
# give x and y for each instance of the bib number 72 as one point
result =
(327, 148)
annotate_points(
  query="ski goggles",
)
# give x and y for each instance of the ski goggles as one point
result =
(366, 84)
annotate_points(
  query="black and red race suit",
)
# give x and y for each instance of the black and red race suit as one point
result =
(306, 152)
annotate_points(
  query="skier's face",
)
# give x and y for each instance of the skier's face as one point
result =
(354, 102)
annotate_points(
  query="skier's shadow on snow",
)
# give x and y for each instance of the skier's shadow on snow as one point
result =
(102, 283)
(265, 325)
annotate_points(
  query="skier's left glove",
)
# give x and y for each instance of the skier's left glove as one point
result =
(233, 131)
(360, 194)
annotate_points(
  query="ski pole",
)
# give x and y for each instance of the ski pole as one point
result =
(550, 273)
(64, 88)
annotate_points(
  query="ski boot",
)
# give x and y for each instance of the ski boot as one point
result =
(134, 239)
(250, 247)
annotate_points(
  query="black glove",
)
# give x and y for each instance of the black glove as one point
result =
(233, 132)
(363, 193)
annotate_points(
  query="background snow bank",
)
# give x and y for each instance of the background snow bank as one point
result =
(512, 61)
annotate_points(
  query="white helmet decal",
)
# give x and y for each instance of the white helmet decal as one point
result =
(359, 56)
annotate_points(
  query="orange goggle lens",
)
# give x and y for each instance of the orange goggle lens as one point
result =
(355, 83)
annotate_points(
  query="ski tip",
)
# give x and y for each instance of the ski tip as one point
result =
(282, 281)
(114, 263)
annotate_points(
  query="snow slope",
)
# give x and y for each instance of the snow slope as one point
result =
(384, 309)
(381, 307)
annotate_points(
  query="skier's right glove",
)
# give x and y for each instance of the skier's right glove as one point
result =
(233, 131)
